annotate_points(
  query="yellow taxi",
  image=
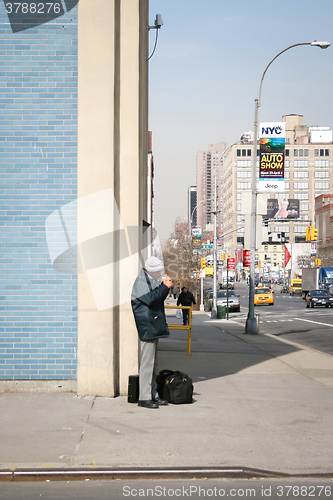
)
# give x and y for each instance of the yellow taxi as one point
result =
(263, 295)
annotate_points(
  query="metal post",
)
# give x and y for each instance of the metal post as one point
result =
(214, 311)
(227, 288)
(251, 324)
(202, 273)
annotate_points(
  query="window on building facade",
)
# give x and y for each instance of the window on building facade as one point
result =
(304, 207)
(301, 174)
(274, 248)
(322, 174)
(286, 174)
(300, 152)
(301, 163)
(244, 174)
(327, 152)
(316, 152)
(322, 163)
(300, 229)
(266, 248)
(243, 185)
(243, 152)
(282, 229)
(322, 185)
(249, 152)
(239, 207)
(295, 152)
(301, 185)
(239, 196)
(243, 163)
(301, 196)
(281, 196)
(306, 152)
(275, 256)
(287, 152)
(239, 152)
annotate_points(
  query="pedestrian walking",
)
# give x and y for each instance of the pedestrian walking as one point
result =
(186, 298)
(148, 295)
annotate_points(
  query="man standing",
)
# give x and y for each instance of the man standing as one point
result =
(186, 298)
(148, 295)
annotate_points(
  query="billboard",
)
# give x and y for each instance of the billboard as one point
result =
(196, 237)
(271, 158)
(283, 209)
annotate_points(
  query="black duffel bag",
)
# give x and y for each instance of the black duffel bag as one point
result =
(174, 386)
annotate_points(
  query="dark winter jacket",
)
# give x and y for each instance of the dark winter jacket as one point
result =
(147, 301)
(186, 299)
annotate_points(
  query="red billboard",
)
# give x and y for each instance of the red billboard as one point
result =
(231, 263)
(246, 258)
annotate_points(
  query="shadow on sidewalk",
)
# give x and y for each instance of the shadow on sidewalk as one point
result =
(218, 348)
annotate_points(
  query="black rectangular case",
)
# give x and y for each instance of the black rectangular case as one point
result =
(133, 389)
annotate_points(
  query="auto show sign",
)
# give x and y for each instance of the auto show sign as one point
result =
(271, 157)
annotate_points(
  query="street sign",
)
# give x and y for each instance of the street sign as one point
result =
(207, 246)
(231, 263)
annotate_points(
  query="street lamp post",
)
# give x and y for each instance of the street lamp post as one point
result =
(251, 323)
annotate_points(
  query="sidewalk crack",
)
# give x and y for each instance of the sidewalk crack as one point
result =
(83, 431)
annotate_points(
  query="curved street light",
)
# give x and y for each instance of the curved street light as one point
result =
(251, 323)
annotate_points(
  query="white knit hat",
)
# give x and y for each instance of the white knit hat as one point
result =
(153, 264)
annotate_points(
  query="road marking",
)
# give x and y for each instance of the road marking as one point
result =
(315, 322)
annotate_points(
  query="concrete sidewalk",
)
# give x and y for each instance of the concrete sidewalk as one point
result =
(260, 402)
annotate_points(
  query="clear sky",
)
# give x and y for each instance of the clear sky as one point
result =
(205, 75)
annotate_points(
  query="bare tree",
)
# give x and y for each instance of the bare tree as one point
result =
(181, 262)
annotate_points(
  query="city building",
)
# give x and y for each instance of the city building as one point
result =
(192, 206)
(308, 174)
(209, 163)
(74, 197)
(324, 224)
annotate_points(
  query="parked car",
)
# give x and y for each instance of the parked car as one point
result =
(263, 295)
(318, 297)
(233, 300)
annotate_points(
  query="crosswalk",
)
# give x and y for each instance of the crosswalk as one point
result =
(266, 318)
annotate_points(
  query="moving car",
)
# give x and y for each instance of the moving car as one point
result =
(319, 297)
(263, 295)
(295, 286)
(233, 300)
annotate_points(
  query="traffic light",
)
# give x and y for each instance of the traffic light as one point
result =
(228, 255)
(222, 256)
(308, 233)
(318, 262)
(203, 262)
(314, 234)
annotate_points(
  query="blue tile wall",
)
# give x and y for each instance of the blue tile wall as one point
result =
(38, 175)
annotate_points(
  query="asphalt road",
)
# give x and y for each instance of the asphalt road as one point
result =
(290, 319)
(275, 489)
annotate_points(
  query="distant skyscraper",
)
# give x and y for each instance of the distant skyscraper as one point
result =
(192, 203)
(208, 163)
